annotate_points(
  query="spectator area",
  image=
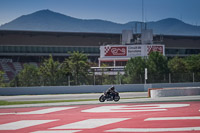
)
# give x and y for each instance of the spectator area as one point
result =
(11, 69)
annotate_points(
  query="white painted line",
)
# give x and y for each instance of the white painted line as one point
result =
(7, 113)
(41, 111)
(22, 124)
(49, 110)
(173, 118)
(134, 108)
(154, 129)
(90, 123)
(158, 106)
(58, 131)
(120, 108)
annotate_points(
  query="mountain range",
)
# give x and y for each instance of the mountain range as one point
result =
(47, 20)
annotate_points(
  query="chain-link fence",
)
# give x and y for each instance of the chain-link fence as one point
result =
(152, 78)
(139, 79)
(104, 79)
(174, 78)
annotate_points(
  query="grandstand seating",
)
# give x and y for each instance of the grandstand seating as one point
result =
(11, 69)
(17, 66)
(5, 75)
(34, 64)
(11, 66)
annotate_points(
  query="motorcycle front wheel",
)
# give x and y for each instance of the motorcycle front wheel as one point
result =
(116, 98)
(102, 98)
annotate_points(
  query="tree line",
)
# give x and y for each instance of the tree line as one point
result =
(160, 69)
(51, 72)
(75, 70)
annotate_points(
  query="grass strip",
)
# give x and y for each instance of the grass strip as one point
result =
(37, 102)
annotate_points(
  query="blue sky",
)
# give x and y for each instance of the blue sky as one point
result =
(119, 11)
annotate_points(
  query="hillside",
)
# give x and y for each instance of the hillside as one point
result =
(46, 20)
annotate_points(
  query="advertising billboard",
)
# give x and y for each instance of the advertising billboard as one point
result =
(136, 50)
(114, 51)
(152, 48)
(117, 51)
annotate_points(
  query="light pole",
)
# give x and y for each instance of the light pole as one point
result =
(145, 76)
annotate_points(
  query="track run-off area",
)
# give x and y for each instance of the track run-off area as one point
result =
(176, 117)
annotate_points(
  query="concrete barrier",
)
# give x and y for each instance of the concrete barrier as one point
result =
(87, 88)
(68, 89)
(169, 92)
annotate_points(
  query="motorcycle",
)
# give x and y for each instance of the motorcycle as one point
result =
(109, 97)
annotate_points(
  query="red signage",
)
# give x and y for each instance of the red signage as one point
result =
(152, 48)
(115, 51)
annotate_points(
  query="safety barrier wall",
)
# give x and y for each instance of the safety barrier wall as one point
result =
(169, 92)
(87, 88)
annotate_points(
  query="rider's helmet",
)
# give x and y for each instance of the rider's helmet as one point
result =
(112, 88)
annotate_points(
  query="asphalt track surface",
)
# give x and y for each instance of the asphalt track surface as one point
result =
(174, 114)
(69, 96)
(176, 117)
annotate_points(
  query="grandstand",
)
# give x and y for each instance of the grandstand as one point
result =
(19, 47)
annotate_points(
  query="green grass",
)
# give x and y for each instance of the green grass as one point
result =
(37, 102)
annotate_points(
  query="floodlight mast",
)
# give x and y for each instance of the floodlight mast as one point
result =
(143, 11)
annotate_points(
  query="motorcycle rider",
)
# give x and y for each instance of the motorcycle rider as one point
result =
(110, 92)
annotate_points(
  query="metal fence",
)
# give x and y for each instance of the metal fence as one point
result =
(152, 78)
(139, 79)
(116, 80)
